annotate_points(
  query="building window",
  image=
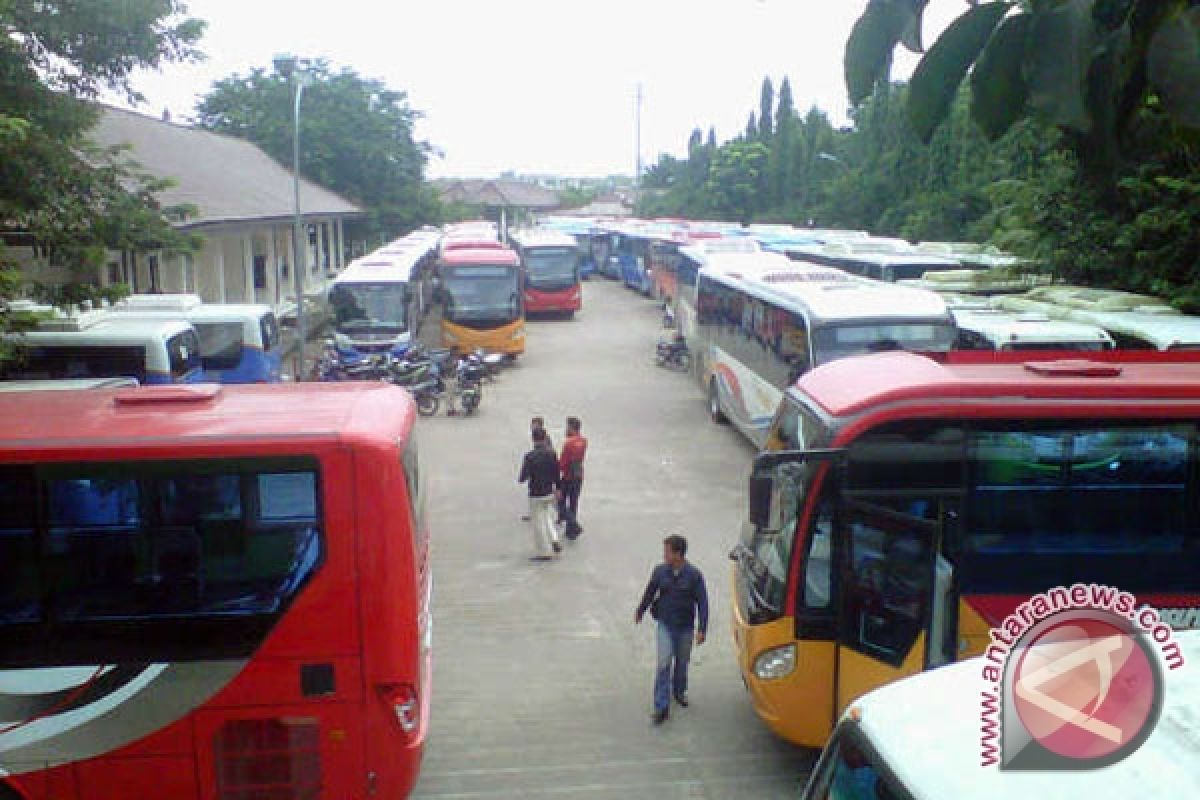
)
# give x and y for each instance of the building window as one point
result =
(260, 272)
(114, 272)
(155, 277)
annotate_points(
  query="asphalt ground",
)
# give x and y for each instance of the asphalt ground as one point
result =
(542, 683)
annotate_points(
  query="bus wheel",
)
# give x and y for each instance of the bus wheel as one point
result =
(714, 404)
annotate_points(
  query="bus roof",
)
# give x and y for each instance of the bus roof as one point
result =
(1164, 331)
(215, 312)
(854, 251)
(1002, 327)
(542, 237)
(470, 242)
(926, 728)
(65, 384)
(501, 256)
(78, 422)
(118, 329)
(828, 296)
(852, 385)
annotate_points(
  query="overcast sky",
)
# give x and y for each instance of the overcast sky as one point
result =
(546, 86)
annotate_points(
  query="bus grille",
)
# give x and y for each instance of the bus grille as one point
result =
(268, 759)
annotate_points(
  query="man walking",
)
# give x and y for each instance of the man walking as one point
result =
(570, 479)
(539, 423)
(539, 469)
(677, 598)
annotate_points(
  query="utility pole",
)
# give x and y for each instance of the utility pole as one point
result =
(637, 170)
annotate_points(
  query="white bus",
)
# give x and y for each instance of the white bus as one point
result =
(378, 300)
(1144, 330)
(105, 345)
(991, 329)
(729, 256)
(921, 739)
(874, 261)
(239, 342)
(758, 334)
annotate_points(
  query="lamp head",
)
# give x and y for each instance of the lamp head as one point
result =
(285, 65)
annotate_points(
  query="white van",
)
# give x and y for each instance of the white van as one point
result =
(920, 739)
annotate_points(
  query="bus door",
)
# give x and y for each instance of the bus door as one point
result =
(894, 594)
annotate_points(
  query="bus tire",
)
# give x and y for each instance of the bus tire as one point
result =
(714, 404)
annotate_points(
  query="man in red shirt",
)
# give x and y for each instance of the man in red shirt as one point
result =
(570, 468)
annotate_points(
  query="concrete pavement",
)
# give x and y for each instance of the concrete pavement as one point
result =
(542, 683)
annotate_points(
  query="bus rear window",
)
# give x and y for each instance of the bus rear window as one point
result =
(183, 353)
(220, 344)
(122, 543)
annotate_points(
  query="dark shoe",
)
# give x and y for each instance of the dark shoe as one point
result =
(659, 717)
(557, 547)
(574, 534)
(541, 558)
(682, 700)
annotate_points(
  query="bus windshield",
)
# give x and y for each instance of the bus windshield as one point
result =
(378, 307)
(832, 342)
(551, 268)
(121, 543)
(481, 294)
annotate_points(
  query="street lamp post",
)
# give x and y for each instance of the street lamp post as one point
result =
(293, 71)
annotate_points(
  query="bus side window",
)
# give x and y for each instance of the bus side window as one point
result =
(20, 585)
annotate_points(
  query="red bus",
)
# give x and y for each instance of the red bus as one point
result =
(550, 270)
(905, 506)
(212, 592)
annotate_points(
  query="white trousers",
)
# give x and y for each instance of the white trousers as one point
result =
(541, 518)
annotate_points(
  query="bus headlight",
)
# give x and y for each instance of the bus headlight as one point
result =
(778, 662)
(342, 342)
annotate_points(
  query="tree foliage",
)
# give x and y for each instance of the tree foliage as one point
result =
(356, 138)
(75, 200)
(1085, 66)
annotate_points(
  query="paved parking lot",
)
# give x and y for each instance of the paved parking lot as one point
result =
(541, 681)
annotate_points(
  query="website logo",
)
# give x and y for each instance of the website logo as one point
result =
(1074, 680)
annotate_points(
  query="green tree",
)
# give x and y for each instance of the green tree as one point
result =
(766, 109)
(356, 138)
(733, 179)
(751, 128)
(76, 200)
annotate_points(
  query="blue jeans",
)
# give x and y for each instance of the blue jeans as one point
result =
(674, 650)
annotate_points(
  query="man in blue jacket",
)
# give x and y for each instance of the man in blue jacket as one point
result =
(678, 599)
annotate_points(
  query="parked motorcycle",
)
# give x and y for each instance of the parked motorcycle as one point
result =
(491, 362)
(469, 374)
(673, 353)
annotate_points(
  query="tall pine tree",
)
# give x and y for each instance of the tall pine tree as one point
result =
(766, 109)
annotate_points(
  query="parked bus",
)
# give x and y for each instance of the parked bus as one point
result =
(378, 301)
(101, 344)
(756, 335)
(549, 271)
(878, 264)
(727, 255)
(906, 506)
(207, 600)
(239, 343)
(480, 290)
(665, 258)
(1001, 330)
(1141, 330)
(920, 739)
